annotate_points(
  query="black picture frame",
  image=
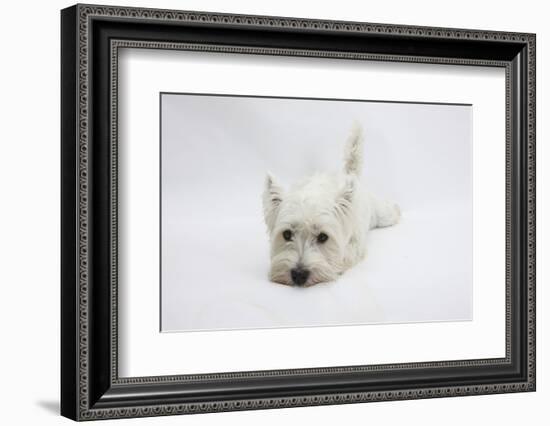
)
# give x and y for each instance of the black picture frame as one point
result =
(90, 386)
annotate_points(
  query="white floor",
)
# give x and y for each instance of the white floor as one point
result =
(419, 270)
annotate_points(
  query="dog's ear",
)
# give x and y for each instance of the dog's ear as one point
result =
(346, 195)
(272, 198)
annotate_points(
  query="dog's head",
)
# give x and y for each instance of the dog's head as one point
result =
(309, 228)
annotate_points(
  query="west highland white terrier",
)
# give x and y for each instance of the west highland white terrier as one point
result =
(318, 228)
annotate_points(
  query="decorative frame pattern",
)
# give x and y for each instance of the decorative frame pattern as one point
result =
(84, 397)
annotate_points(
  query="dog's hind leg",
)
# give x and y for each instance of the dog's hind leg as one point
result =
(386, 213)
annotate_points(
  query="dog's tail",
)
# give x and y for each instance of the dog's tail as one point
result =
(353, 154)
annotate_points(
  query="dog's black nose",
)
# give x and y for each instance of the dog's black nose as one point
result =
(299, 276)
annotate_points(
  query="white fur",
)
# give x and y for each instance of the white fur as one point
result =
(333, 204)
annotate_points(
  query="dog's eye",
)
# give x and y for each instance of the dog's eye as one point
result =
(322, 237)
(287, 235)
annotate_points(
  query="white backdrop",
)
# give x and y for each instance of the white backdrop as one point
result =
(29, 225)
(215, 154)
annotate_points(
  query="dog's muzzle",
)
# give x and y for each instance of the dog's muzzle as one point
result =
(299, 276)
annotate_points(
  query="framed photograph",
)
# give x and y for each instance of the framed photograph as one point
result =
(263, 212)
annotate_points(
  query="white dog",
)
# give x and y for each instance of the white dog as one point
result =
(318, 228)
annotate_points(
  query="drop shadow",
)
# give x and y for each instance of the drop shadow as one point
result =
(50, 406)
